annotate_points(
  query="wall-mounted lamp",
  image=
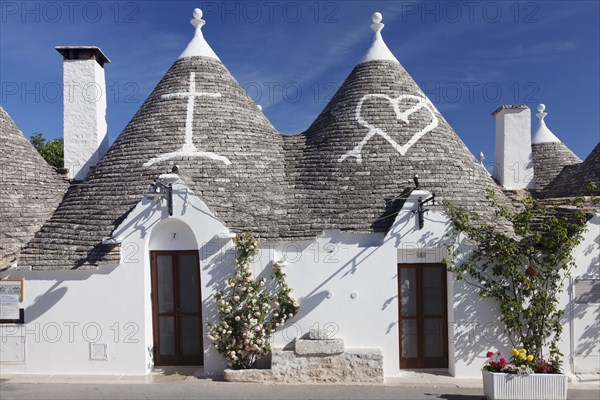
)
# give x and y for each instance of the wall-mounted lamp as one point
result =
(162, 187)
(420, 211)
(159, 190)
(416, 180)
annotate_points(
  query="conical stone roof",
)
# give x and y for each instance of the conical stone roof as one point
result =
(362, 152)
(549, 159)
(234, 163)
(550, 155)
(30, 190)
(574, 179)
(254, 178)
(402, 134)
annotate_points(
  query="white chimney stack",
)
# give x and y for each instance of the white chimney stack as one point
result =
(513, 162)
(84, 97)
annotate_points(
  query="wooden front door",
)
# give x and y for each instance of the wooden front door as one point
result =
(423, 317)
(176, 308)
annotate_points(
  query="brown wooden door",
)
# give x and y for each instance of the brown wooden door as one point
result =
(176, 308)
(423, 317)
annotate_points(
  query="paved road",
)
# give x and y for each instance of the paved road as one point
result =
(205, 389)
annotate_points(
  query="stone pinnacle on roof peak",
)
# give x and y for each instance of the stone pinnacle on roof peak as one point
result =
(543, 134)
(378, 49)
(197, 20)
(377, 26)
(198, 47)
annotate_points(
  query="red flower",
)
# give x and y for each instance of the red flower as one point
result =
(503, 361)
(489, 354)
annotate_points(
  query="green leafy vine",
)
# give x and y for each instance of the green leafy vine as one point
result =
(523, 270)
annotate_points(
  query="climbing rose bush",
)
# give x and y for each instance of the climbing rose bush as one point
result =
(250, 309)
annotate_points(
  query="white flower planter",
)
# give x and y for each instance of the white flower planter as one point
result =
(501, 386)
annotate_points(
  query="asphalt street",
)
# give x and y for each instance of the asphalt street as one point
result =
(206, 389)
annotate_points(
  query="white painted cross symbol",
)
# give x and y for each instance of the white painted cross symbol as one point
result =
(188, 149)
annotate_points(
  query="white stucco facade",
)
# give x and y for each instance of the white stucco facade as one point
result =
(345, 283)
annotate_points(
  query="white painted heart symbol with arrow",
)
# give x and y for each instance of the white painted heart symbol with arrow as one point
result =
(422, 102)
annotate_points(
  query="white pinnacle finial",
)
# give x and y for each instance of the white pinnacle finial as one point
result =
(198, 46)
(481, 158)
(377, 26)
(543, 134)
(541, 114)
(378, 50)
(197, 22)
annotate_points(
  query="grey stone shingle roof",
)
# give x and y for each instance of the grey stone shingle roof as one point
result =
(573, 179)
(30, 190)
(279, 187)
(245, 194)
(357, 192)
(549, 159)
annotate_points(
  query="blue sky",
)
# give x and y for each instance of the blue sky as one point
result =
(468, 56)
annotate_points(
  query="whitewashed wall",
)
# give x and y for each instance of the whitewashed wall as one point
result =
(346, 283)
(67, 312)
(115, 300)
(581, 335)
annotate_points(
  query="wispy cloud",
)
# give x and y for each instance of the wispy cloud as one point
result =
(521, 52)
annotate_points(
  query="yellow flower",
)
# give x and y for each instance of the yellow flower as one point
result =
(515, 352)
(522, 354)
(529, 357)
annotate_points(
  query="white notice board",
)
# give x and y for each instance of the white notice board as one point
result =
(12, 286)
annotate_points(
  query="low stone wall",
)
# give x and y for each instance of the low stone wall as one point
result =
(356, 365)
(317, 361)
(352, 366)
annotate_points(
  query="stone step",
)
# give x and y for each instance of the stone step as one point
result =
(249, 375)
(326, 347)
(319, 334)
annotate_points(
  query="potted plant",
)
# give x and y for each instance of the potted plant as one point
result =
(523, 377)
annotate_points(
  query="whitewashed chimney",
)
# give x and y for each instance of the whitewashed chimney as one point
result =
(513, 163)
(84, 97)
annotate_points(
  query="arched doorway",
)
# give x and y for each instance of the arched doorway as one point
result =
(176, 295)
